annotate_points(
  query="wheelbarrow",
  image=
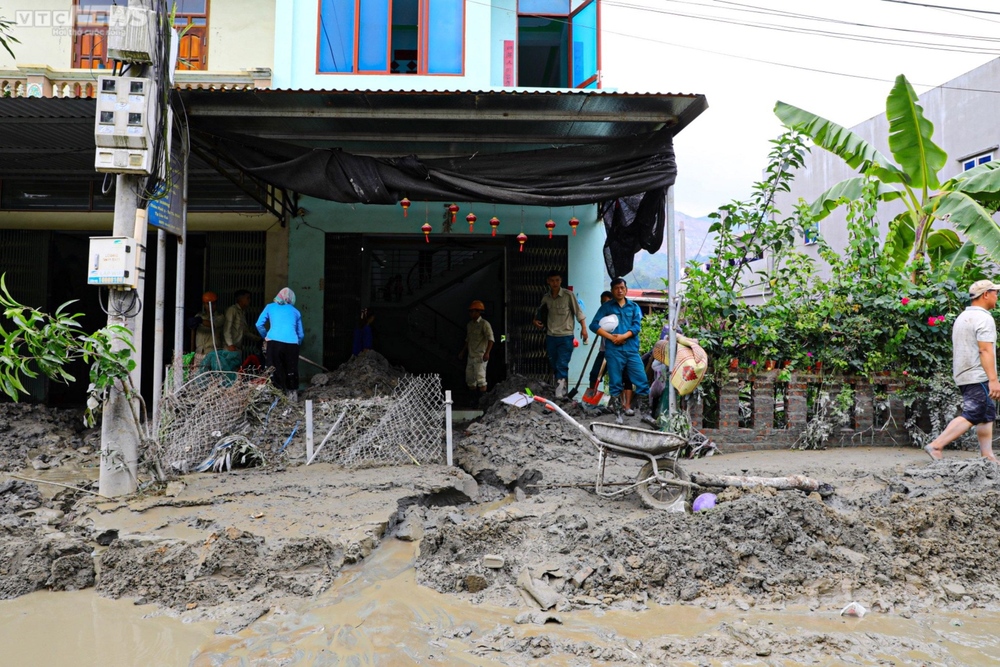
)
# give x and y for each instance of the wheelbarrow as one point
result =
(661, 480)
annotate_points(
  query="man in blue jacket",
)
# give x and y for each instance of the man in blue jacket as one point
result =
(623, 319)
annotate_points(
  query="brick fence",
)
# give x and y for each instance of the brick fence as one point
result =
(775, 413)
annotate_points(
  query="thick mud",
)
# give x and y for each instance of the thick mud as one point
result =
(517, 531)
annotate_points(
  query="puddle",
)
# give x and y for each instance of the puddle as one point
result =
(85, 630)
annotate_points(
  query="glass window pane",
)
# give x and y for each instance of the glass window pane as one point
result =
(18, 195)
(986, 158)
(447, 27)
(542, 59)
(191, 6)
(584, 36)
(336, 36)
(373, 36)
(968, 164)
(552, 7)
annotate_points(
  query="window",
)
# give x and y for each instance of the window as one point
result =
(557, 47)
(392, 36)
(191, 23)
(976, 160)
(90, 34)
(810, 234)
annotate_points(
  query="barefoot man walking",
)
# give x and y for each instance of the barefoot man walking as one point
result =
(974, 366)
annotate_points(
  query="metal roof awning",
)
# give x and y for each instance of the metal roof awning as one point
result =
(437, 124)
(55, 136)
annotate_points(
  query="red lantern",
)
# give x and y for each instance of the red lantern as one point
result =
(574, 223)
(522, 238)
(494, 223)
(454, 211)
(405, 203)
(550, 225)
(471, 219)
(426, 229)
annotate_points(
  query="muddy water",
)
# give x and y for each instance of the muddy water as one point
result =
(377, 615)
(85, 630)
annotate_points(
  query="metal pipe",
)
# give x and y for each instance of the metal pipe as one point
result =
(179, 286)
(673, 281)
(158, 322)
(447, 427)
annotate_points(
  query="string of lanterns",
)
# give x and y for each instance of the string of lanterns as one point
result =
(471, 218)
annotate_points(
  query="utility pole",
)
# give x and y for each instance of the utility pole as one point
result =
(120, 428)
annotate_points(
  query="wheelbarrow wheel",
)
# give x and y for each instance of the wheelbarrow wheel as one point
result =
(661, 495)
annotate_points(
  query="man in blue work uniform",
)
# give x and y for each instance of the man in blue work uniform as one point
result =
(622, 350)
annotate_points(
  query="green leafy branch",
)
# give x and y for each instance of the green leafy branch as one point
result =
(35, 343)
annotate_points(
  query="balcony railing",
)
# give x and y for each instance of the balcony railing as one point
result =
(43, 81)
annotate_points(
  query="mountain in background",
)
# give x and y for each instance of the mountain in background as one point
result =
(649, 271)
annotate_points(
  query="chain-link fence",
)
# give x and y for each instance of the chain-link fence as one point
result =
(201, 421)
(405, 427)
(204, 411)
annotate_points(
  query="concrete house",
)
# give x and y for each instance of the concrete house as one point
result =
(311, 121)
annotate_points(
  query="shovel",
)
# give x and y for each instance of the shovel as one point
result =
(586, 365)
(592, 396)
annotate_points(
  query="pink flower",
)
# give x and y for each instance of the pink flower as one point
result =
(932, 321)
(809, 354)
(940, 318)
(905, 300)
(906, 373)
(753, 363)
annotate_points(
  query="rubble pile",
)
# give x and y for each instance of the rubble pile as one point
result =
(28, 431)
(40, 546)
(923, 539)
(364, 376)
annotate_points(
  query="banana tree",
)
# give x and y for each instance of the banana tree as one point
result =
(967, 201)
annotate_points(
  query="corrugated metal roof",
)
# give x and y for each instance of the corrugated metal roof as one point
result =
(55, 135)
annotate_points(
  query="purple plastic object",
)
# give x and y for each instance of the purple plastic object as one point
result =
(705, 501)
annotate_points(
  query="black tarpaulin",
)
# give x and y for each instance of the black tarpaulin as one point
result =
(630, 176)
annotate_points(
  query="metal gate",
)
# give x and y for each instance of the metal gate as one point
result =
(526, 271)
(235, 261)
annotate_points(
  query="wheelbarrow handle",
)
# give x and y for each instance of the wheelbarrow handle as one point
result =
(587, 434)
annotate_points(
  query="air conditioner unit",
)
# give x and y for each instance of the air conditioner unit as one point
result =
(131, 34)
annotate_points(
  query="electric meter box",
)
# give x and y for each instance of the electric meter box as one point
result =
(131, 34)
(113, 261)
(124, 161)
(126, 112)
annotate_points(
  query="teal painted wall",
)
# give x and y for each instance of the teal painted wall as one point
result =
(306, 255)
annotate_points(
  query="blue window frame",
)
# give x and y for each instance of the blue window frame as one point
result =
(558, 47)
(976, 160)
(392, 36)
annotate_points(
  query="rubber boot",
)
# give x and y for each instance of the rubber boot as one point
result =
(645, 412)
(561, 388)
(615, 405)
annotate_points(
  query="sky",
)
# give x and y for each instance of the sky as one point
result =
(712, 47)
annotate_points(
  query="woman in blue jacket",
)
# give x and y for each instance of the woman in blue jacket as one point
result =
(622, 351)
(283, 335)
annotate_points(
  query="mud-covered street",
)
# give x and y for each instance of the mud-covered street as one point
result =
(512, 557)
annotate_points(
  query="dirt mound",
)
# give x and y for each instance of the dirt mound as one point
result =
(231, 567)
(369, 374)
(28, 431)
(925, 540)
(39, 546)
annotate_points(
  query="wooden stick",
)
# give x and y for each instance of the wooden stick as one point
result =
(790, 482)
(65, 486)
